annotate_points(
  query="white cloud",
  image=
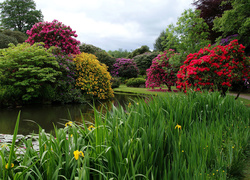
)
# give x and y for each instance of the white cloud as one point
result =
(114, 24)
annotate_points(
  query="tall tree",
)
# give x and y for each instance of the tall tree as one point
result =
(189, 35)
(209, 10)
(19, 15)
(158, 42)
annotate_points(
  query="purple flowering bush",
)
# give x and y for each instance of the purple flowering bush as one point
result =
(125, 68)
(65, 88)
(54, 34)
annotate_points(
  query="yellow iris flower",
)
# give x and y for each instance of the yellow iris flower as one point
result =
(77, 154)
(178, 126)
(91, 128)
(68, 123)
(6, 166)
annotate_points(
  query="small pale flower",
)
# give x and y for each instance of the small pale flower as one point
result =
(77, 154)
(178, 126)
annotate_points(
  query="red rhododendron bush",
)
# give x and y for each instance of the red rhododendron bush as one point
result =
(54, 34)
(214, 68)
(161, 72)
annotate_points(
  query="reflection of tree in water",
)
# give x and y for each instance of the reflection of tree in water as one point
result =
(88, 114)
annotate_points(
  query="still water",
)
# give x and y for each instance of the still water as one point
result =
(47, 115)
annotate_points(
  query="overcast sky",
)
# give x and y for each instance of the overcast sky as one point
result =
(114, 24)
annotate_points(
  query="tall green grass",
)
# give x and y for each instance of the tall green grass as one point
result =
(194, 136)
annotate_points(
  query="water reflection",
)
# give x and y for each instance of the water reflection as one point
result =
(47, 115)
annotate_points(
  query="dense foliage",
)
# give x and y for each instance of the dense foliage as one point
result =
(158, 42)
(19, 15)
(189, 34)
(138, 51)
(161, 72)
(5, 40)
(89, 48)
(125, 68)
(92, 77)
(214, 68)
(144, 61)
(236, 21)
(65, 90)
(210, 9)
(136, 82)
(54, 34)
(101, 55)
(18, 35)
(25, 70)
(120, 53)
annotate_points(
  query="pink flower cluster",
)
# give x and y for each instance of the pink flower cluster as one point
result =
(215, 67)
(54, 34)
(161, 72)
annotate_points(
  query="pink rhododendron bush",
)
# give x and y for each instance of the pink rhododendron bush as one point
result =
(214, 68)
(161, 72)
(54, 34)
(125, 68)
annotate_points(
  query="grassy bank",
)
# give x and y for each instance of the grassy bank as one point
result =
(124, 89)
(195, 136)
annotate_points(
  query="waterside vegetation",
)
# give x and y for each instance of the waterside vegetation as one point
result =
(194, 136)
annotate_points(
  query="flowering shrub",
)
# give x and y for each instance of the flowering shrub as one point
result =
(92, 76)
(54, 34)
(215, 67)
(65, 87)
(125, 68)
(161, 72)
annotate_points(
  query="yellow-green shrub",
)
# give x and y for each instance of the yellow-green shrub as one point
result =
(92, 76)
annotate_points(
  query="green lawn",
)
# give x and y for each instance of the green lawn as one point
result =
(133, 90)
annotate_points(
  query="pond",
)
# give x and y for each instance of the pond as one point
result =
(49, 115)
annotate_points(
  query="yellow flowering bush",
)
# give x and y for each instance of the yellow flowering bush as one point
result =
(92, 76)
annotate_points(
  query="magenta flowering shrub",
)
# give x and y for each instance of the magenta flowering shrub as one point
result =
(125, 68)
(161, 72)
(54, 34)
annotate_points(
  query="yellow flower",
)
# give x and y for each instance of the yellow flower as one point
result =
(77, 154)
(182, 151)
(178, 126)
(6, 166)
(129, 104)
(91, 128)
(68, 123)
(4, 145)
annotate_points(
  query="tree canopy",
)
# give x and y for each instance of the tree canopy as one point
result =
(236, 21)
(189, 34)
(209, 10)
(19, 15)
